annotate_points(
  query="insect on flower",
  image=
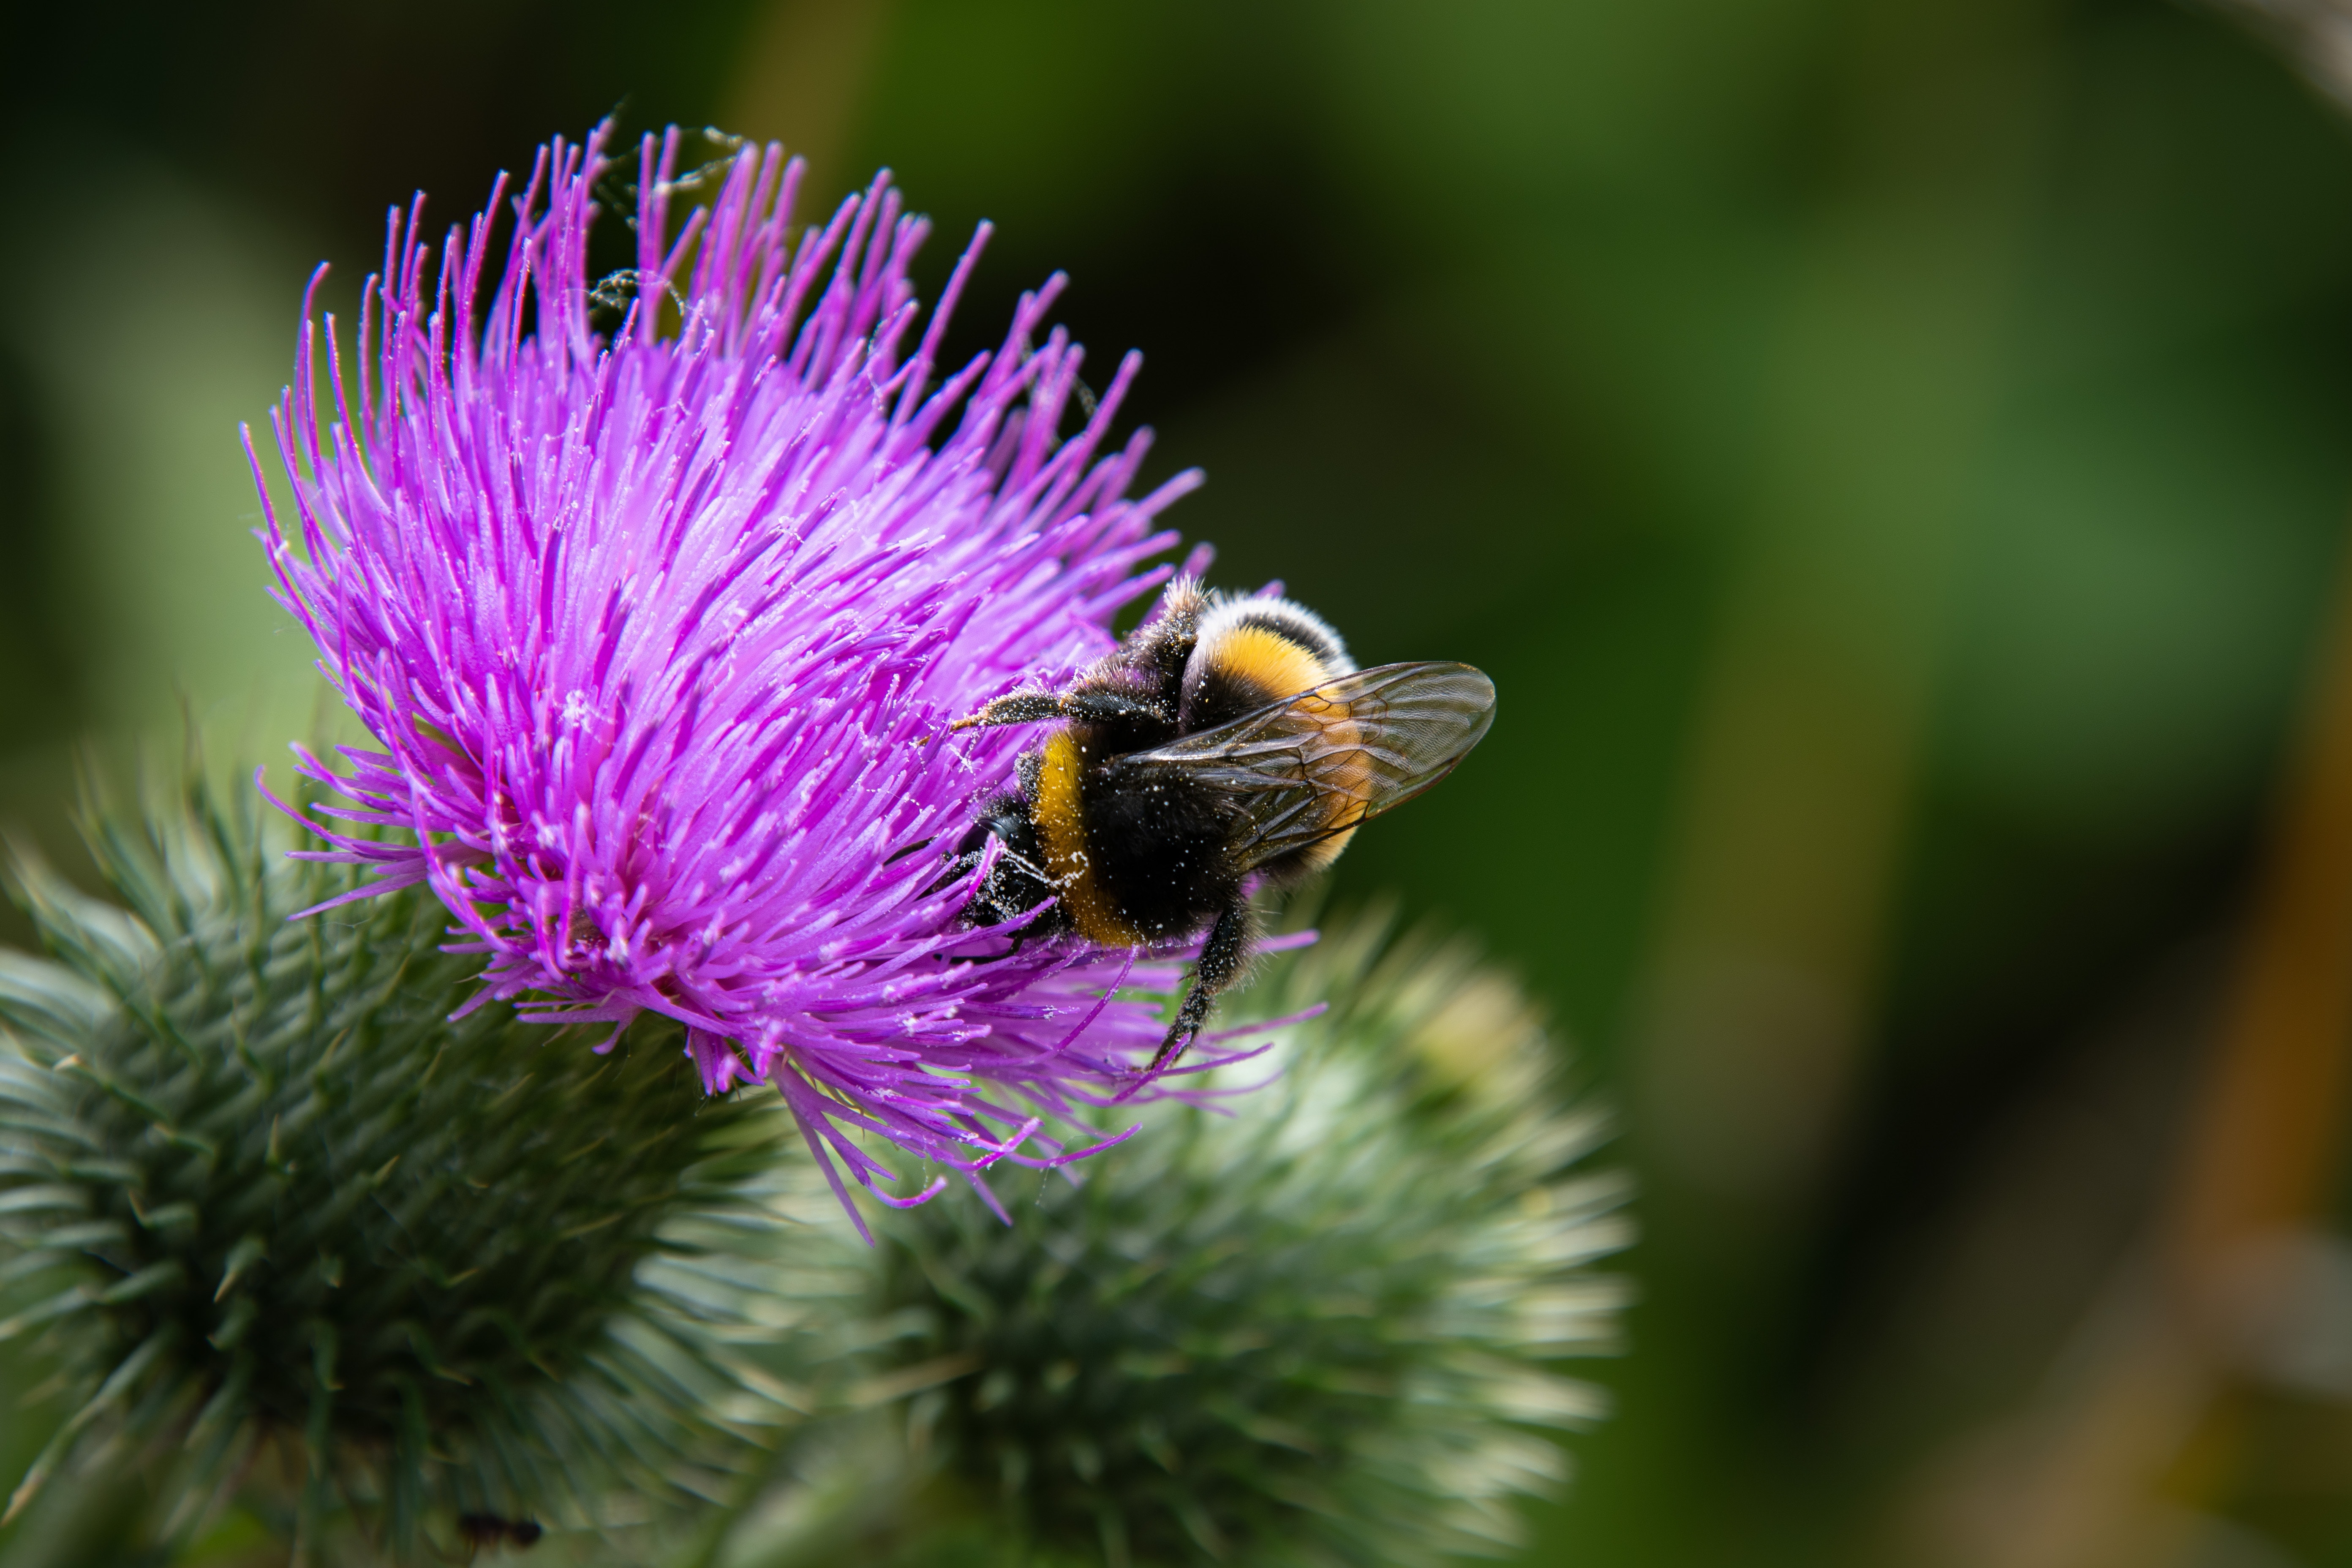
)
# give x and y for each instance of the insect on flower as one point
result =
(1228, 741)
(481, 1529)
(646, 628)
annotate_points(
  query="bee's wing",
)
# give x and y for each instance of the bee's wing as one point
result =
(1316, 763)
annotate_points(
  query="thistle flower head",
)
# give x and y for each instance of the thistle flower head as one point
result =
(658, 633)
(275, 1202)
(1320, 1331)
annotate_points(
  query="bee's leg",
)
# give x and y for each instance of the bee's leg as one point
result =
(1102, 704)
(1223, 958)
(1014, 708)
(1016, 939)
(1094, 699)
(918, 846)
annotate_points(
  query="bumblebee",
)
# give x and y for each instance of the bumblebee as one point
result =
(1227, 743)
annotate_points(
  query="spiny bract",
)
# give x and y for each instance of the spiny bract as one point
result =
(1315, 1331)
(274, 1198)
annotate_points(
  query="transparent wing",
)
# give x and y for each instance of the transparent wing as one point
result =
(1316, 764)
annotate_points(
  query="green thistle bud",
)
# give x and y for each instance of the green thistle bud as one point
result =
(273, 1199)
(1314, 1329)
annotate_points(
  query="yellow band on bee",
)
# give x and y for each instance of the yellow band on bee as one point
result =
(1060, 815)
(1265, 659)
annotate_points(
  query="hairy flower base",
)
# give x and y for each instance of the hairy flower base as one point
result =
(273, 1201)
(1319, 1332)
(658, 638)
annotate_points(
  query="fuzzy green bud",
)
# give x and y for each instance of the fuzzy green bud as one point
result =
(277, 1214)
(1318, 1325)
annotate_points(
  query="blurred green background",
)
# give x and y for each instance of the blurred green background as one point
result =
(1893, 458)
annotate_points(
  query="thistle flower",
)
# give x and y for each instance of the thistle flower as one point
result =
(659, 636)
(1315, 1334)
(277, 1202)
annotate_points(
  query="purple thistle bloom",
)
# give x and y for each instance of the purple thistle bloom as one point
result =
(660, 636)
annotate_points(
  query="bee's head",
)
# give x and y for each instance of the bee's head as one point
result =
(1016, 883)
